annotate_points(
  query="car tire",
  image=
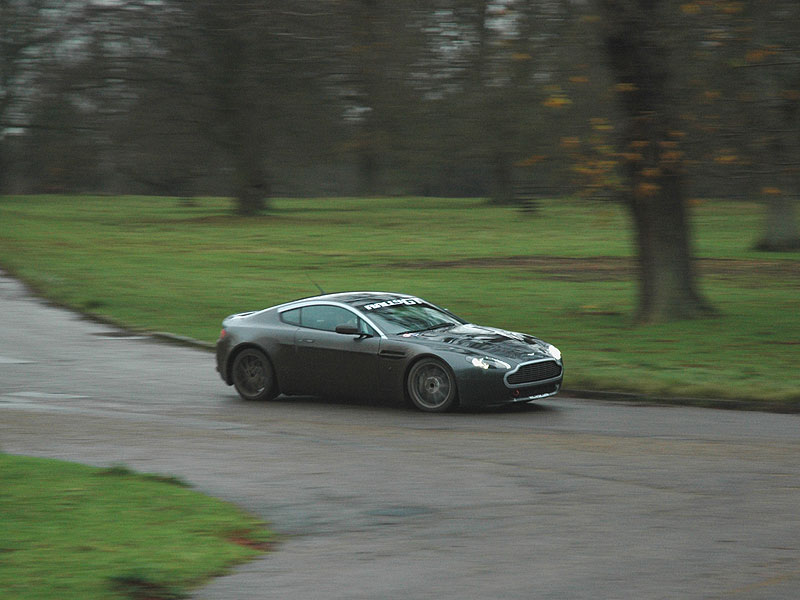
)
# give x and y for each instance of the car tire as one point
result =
(253, 376)
(431, 386)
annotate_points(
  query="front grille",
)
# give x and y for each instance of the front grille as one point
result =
(535, 371)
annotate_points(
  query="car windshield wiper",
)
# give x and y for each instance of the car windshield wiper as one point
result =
(431, 328)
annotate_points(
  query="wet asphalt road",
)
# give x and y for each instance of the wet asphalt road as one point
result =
(569, 499)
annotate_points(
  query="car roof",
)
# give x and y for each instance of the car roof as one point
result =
(355, 299)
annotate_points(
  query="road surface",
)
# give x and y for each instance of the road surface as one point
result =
(567, 499)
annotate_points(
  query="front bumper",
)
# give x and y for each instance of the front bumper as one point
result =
(477, 387)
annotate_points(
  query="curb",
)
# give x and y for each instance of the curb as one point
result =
(180, 340)
(787, 407)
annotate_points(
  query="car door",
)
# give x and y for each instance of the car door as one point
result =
(335, 364)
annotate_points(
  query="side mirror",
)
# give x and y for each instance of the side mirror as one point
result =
(351, 330)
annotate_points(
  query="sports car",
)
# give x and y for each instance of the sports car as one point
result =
(379, 344)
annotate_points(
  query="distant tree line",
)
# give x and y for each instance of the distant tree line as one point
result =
(642, 101)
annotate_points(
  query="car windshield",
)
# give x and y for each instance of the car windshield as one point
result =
(405, 318)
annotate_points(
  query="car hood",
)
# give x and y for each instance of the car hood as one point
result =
(477, 340)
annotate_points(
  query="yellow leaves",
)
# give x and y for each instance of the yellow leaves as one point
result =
(595, 161)
(570, 143)
(595, 169)
(521, 56)
(793, 95)
(625, 88)
(579, 79)
(646, 188)
(600, 124)
(530, 161)
(711, 95)
(758, 55)
(771, 191)
(651, 172)
(727, 7)
(557, 101)
(671, 156)
(745, 96)
(726, 159)
(731, 8)
(557, 97)
(586, 171)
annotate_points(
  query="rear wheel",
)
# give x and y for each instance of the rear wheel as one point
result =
(253, 376)
(432, 386)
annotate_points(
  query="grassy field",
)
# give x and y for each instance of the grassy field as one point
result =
(71, 531)
(566, 274)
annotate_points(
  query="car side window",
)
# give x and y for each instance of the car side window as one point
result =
(291, 316)
(327, 317)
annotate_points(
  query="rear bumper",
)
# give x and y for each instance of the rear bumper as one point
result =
(221, 359)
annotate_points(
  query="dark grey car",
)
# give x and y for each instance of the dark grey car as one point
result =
(371, 344)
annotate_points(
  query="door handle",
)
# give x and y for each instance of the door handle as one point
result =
(306, 341)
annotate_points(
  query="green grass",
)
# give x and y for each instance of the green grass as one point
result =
(565, 275)
(72, 531)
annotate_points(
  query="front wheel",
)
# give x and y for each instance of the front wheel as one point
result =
(431, 386)
(253, 376)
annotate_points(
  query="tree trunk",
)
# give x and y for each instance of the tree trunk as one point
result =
(251, 195)
(635, 46)
(252, 187)
(775, 121)
(780, 233)
(667, 288)
(368, 170)
(370, 77)
(4, 176)
(502, 185)
(780, 198)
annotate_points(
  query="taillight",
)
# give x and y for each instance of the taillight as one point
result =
(222, 334)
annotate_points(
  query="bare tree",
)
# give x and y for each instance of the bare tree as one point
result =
(29, 31)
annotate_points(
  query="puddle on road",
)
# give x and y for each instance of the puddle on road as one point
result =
(40, 401)
(17, 396)
(8, 360)
(399, 511)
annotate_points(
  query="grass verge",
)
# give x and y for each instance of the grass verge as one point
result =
(566, 274)
(72, 531)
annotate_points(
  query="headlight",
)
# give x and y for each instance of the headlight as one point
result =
(486, 363)
(554, 352)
